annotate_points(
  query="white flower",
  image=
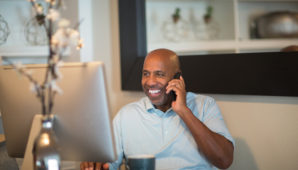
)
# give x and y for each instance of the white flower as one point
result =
(56, 70)
(54, 59)
(53, 2)
(53, 15)
(22, 69)
(63, 23)
(71, 36)
(39, 8)
(60, 63)
(28, 72)
(59, 38)
(80, 44)
(19, 66)
(64, 39)
(74, 34)
(34, 87)
(55, 87)
(56, 62)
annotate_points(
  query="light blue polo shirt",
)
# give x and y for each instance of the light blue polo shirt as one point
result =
(141, 129)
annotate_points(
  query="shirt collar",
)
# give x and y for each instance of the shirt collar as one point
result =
(148, 105)
(151, 109)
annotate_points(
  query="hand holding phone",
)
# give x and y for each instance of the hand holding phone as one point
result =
(172, 93)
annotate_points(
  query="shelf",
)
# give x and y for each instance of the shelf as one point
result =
(268, 0)
(182, 47)
(23, 51)
(236, 0)
(232, 17)
(225, 45)
(265, 44)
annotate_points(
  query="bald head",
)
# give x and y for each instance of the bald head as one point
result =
(166, 57)
(159, 69)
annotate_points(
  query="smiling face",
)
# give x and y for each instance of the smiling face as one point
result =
(159, 68)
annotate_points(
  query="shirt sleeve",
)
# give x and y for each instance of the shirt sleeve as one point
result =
(213, 119)
(118, 141)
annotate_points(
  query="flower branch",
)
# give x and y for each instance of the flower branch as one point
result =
(61, 38)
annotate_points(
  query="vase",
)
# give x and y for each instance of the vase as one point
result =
(4, 30)
(278, 24)
(207, 29)
(176, 30)
(45, 152)
(35, 34)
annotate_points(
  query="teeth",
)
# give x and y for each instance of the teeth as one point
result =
(154, 91)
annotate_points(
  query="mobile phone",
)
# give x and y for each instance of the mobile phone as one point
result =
(172, 93)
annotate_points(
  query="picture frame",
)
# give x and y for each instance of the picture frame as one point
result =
(258, 73)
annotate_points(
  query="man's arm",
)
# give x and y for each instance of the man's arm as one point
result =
(217, 149)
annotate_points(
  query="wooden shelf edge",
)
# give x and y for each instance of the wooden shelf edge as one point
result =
(23, 51)
(222, 45)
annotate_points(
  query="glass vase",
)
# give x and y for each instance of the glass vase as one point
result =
(45, 152)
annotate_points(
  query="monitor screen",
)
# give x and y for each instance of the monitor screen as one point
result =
(82, 119)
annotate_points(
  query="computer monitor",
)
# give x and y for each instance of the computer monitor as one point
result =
(82, 118)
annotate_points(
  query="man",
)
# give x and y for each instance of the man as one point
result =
(186, 133)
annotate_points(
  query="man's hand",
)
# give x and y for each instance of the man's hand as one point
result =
(94, 166)
(178, 86)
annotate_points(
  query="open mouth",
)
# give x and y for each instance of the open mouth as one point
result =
(154, 92)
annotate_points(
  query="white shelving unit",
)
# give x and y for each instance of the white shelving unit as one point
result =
(232, 17)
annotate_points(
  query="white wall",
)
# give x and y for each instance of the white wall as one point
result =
(106, 49)
(265, 128)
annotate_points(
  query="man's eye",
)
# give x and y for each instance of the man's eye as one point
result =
(160, 74)
(145, 74)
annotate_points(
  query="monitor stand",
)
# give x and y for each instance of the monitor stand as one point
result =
(28, 157)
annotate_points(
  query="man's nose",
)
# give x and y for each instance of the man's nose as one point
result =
(151, 80)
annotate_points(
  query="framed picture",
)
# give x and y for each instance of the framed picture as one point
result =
(257, 73)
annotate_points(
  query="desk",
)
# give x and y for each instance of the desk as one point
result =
(6, 162)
